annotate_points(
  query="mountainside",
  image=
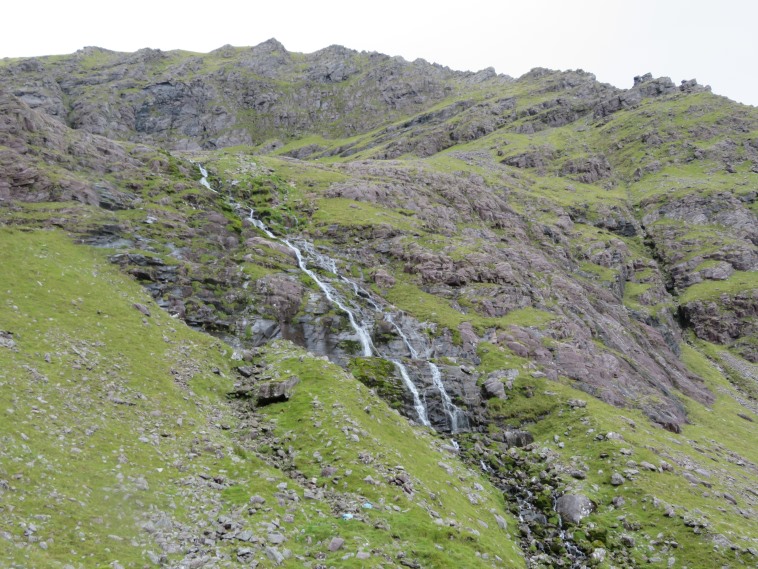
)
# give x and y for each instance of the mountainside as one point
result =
(552, 280)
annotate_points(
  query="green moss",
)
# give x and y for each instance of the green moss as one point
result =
(378, 374)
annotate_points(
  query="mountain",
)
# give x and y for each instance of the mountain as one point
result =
(343, 310)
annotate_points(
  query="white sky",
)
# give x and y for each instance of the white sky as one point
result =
(713, 41)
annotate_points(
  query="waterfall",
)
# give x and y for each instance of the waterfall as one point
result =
(333, 297)
(204, 180)
(417, 404)
(456, 417)
(361, 329)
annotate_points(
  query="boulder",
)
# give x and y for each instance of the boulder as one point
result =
(493, 388)
(276, 391)
(573, 507)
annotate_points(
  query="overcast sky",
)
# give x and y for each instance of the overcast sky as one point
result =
(713, 41)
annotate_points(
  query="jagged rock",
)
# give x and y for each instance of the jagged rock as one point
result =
(6, 340)
(383, 279)
(274, 555)
(515, 438)
(573, 507)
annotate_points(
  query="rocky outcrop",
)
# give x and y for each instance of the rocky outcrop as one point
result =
(725, 319)
(146, 96)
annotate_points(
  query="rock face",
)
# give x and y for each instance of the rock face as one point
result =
(531, 248)
(147, 96)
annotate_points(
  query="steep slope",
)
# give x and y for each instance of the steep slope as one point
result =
(119, 447)
(573, 262)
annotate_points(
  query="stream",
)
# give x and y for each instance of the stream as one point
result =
(362, 319)
(362, 309)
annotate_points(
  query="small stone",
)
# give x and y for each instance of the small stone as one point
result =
(328, 471)
(336, 544)
(142, 308)
(501, 523)
(617, 479)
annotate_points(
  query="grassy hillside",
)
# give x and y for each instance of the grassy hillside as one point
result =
(121, 448)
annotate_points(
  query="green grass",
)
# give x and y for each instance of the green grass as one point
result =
(713, 441)
(740, 281)
(71, 452)
(431, 308)
(91, 395)
(319, 424)
(351, 213)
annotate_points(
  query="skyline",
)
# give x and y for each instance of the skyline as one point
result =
(611, 39)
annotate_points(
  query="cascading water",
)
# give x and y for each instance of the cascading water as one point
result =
(204, 180)
(361, 329)
(456, 417)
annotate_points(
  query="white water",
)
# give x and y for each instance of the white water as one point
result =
(417, 404)
(204, 180)
(333, 296)
(456, 417)
(361, 328)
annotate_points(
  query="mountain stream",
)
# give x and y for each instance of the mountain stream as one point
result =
(361, 320)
